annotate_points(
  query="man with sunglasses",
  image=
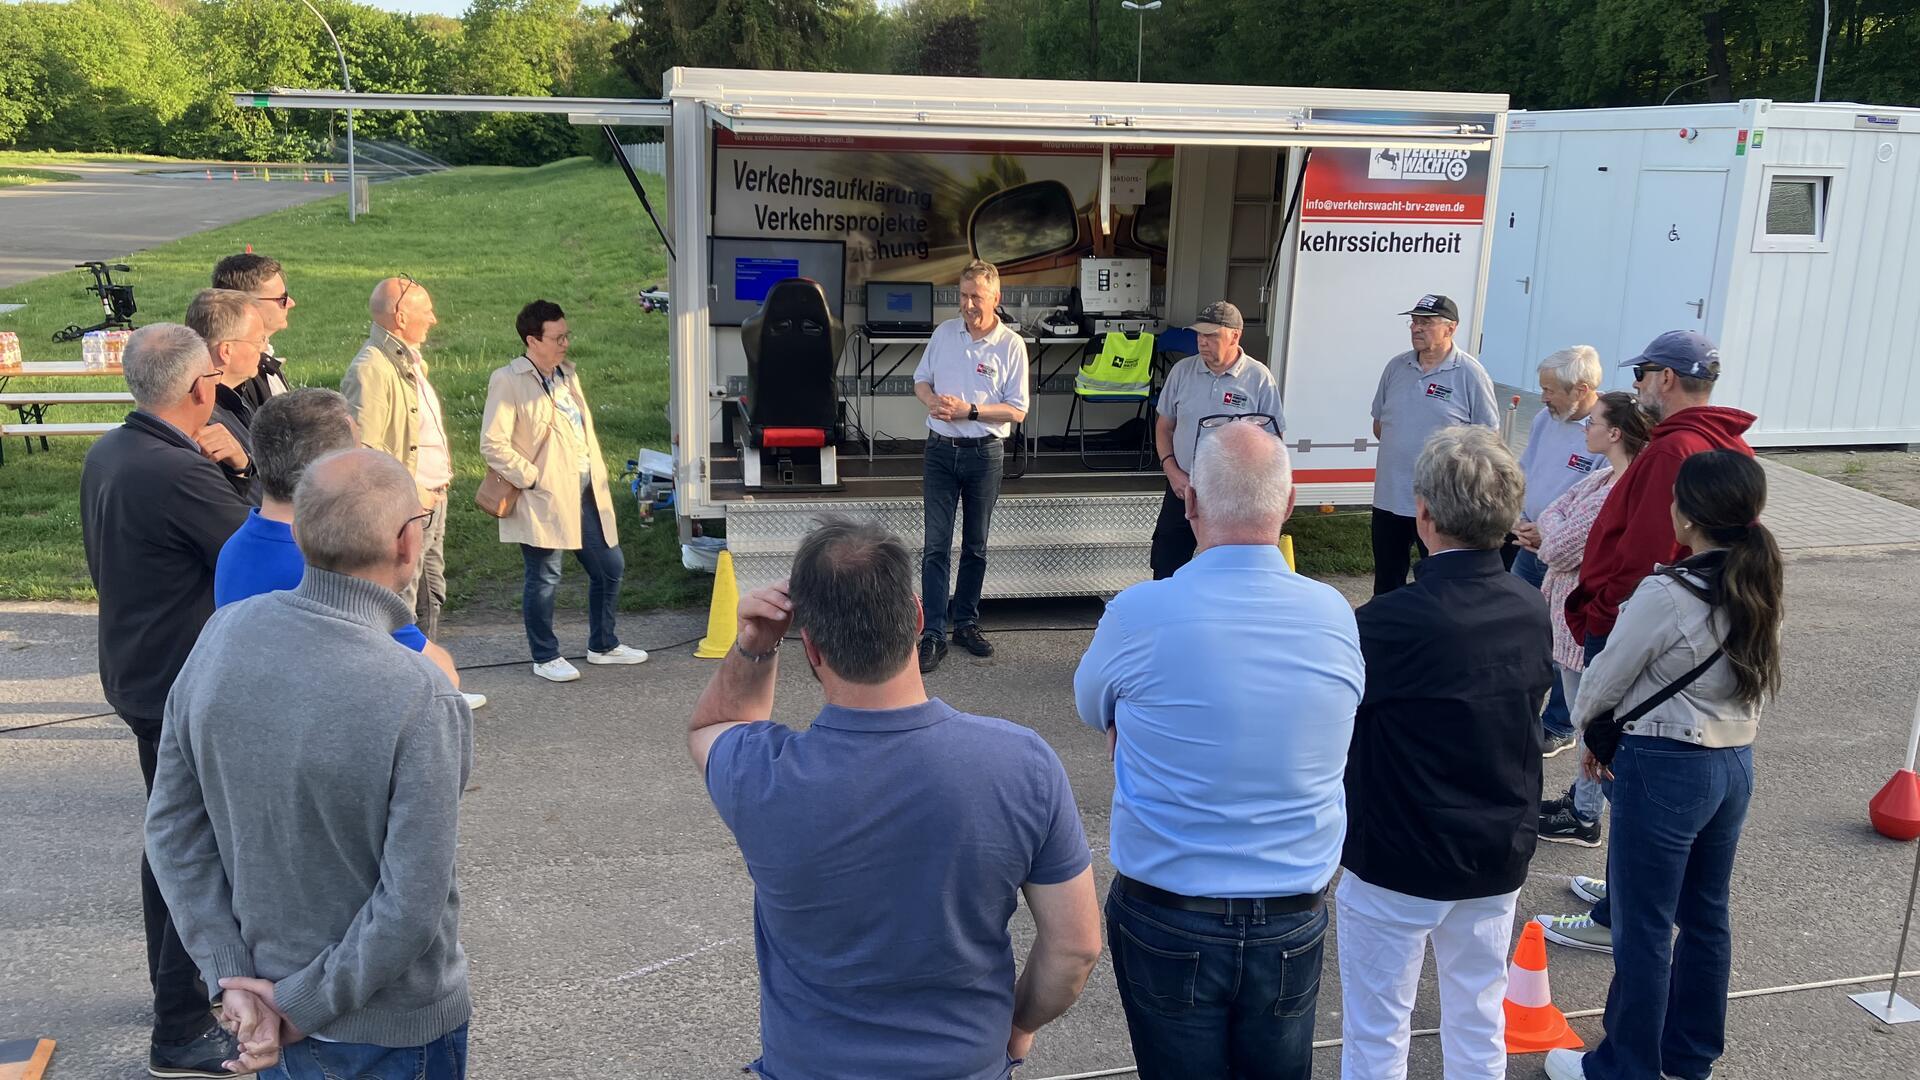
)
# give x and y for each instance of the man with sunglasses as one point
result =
(1674, 379)
(1431, 386)
(154, 513)
(1222, 381)
(262, 279)
(399, 412)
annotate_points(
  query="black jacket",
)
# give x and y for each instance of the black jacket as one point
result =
(1443, 779)
(231, 410)
(154, 514)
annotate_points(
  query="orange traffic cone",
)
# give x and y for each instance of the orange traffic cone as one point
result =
(1533, 1024)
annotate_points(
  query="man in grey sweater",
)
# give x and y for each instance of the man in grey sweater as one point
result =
(304, 815)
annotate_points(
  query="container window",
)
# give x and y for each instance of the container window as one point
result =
(1794, 205)
(1795, 211)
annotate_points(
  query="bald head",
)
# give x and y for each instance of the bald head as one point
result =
(1242, 486)
(350, 516)
(403, 308)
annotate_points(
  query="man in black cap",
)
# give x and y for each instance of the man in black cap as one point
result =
(1431, 386)
(1221, 382)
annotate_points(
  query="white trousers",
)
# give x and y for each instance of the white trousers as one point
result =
(1382, 937)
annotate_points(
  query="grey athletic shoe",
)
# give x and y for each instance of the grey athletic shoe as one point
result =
(1591, 889)
(1576, 932)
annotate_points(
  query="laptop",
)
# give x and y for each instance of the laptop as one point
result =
(900, 308)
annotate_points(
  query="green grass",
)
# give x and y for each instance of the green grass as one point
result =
(485, 241)
(11, 177)
(68, 157)
(1328, 544)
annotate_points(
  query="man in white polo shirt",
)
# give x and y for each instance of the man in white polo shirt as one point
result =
(1221, 381)
(973, 380)
(1434, 385)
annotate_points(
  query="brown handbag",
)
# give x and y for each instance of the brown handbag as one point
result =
(496, 496)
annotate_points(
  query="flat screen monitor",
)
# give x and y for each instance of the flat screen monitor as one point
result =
(900, 303)
(744, 268)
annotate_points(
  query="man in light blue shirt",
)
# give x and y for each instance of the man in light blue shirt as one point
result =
(1229, 692)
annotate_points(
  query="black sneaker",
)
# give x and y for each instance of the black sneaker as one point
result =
(1552, 745)
(205, 1056)
(933, 649)
(1550, 807)
(971, 639)
(1565, 827)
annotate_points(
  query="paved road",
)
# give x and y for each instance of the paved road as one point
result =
(608, 917)
(121, 208)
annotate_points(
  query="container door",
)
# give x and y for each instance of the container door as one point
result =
(1676, 237)
(1514, 279)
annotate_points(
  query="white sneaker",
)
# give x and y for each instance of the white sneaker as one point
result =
(619, 654)
(475, 701)
(557, 670)
(1591, 889)
(1565, 1065)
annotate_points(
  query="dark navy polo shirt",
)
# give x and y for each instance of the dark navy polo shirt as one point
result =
(887, 850)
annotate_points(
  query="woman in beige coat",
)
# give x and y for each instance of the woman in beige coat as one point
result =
(538, 433)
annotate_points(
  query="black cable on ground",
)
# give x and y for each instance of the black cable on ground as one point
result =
(517, 663)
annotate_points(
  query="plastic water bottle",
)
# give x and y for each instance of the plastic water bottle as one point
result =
(646, 503)
(93, 351)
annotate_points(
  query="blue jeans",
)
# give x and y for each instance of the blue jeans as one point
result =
(1555, 721)
(957, 479)
(1677, 814)
(1588, 797)
(444, 1058)
(604, 565)
(1210, 995)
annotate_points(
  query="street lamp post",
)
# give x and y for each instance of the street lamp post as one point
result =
(346, 80)
(1140, 37)
(1820, 74)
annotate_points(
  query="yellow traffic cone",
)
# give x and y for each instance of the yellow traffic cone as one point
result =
(1286, 549)
(722, 622)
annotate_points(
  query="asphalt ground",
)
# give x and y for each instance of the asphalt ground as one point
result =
(117, 208)
(608, 918)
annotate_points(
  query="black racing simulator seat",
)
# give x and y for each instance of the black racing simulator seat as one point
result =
(790, 416)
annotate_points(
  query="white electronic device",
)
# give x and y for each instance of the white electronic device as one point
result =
(1115, 286)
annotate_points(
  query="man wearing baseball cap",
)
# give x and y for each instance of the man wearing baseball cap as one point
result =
(1434, 385)
(1674, 377)
(1223, 381)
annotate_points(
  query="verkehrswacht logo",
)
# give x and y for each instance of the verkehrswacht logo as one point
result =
(1395, 163)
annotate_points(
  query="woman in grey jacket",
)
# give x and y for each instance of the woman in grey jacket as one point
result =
(1683, 772)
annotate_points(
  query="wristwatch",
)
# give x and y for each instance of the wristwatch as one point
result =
(973, 412)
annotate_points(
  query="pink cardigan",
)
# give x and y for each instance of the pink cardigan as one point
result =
(1563, 541)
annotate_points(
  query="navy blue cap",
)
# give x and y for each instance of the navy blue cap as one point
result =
(1685, 352)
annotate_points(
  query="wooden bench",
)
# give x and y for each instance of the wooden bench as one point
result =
(45, 431)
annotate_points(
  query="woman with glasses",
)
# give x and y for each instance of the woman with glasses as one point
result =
(538, 433)
(1619, 429)
(1669, 710)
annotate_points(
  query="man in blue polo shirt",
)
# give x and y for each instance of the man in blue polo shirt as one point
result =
(1431, 386)
(290, 432)
(1228, 691)
(890, 841)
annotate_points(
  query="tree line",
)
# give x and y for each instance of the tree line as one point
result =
(153, 75)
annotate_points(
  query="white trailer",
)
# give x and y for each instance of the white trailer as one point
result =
(1321, 213)
(1788, 233)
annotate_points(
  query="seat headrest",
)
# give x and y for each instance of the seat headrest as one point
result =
(795, 310)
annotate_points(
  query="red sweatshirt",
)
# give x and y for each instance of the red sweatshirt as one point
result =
(1635, 530)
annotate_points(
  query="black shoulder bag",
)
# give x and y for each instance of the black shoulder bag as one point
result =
(1602, 735)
